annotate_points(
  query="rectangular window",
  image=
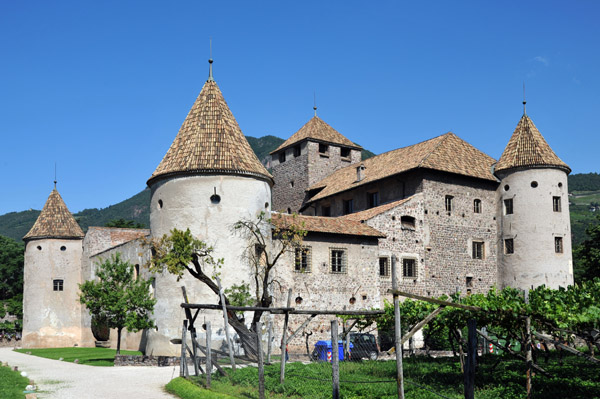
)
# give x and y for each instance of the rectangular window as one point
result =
(384, 267)
(282, 157)
(348, 206)
(409, 268)
(408, 222)
(58, 285)
(338, 260)
(508, 206)
(323, 149)
(478, 249)
(326, 211)
(556, 204)
(303, 260)
(448, 203)
(345, 152)
(477, 206)
(297, 151)
(558, 245)
(509, 246)
(372, 200)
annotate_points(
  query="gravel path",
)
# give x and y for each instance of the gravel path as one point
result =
(56, 379)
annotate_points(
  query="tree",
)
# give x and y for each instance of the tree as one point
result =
(118, 298)
(179, 252)
(11, 268)
(587, 254)
(126, 224)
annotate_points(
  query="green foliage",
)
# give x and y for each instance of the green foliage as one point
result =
(185, 389)
(103, 357)
(118, 299)
(264, 145)
(239, 295)
(11, 267)
(587, 254)
(122, 223)
(584, 182)
(13, 383)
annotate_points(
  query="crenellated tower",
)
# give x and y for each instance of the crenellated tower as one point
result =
(534, 229)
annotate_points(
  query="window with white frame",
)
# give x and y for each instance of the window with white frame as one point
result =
(478, 249)
(338, 260)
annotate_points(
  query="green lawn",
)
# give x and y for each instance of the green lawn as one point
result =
(91, 356)
(12, 384)
(577, 379)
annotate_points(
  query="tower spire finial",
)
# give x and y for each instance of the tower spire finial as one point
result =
(315, 102)
(524, 102)
(210, 62)
(55, 175)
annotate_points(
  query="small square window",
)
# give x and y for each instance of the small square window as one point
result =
(338, 260)
(408, 222)
(556, 204)
(558, 245)
(303, 260)
(372, 200)
(508, 206)
(348, 206)
(449, 202)
(478, 250)
(477, 206)
(345, 152)
(384, 267)
(509, 246)
(323, 148)
(409, 268)
(58, 285)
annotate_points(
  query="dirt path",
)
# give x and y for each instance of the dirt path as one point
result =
(56, 379)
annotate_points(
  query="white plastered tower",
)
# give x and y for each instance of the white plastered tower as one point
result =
(52, 313)
(533, 212)
(208, 180)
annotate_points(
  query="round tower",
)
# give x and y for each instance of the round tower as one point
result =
(533, 212)
(52, 313)
(208, 180)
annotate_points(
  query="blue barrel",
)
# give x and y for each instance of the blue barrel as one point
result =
(323, 350)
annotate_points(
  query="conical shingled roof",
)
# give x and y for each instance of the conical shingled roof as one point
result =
(318, 130)
(55, 221)
(527, 148)
(210, 141)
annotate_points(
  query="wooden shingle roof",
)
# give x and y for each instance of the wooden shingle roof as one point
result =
(527, 148)
(447, 153)
(210, 141)
(318, 130)
(330, 225)
(55, 221)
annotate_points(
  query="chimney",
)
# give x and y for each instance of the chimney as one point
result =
(360, 172)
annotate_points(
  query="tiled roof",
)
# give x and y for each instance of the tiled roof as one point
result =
(447, 153)
(317, 130)
(210, 141)
(378, 210)
(320, 224)
(55, 221)
(527, 147)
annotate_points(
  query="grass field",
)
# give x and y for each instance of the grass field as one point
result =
(12, 384)
(424, 377)
(91, 356)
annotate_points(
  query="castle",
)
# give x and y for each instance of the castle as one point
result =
(453, 218)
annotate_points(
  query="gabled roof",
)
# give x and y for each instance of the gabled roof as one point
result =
(446, 153)
(317, 130)
(210, 141)
(55, 221)
(320, 224)
(378, 210)
(527, 148)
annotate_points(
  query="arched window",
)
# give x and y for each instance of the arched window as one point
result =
(477, 206)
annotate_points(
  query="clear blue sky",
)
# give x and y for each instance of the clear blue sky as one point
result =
(102, 87)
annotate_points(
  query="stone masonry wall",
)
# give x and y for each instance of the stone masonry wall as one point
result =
(291, 180)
